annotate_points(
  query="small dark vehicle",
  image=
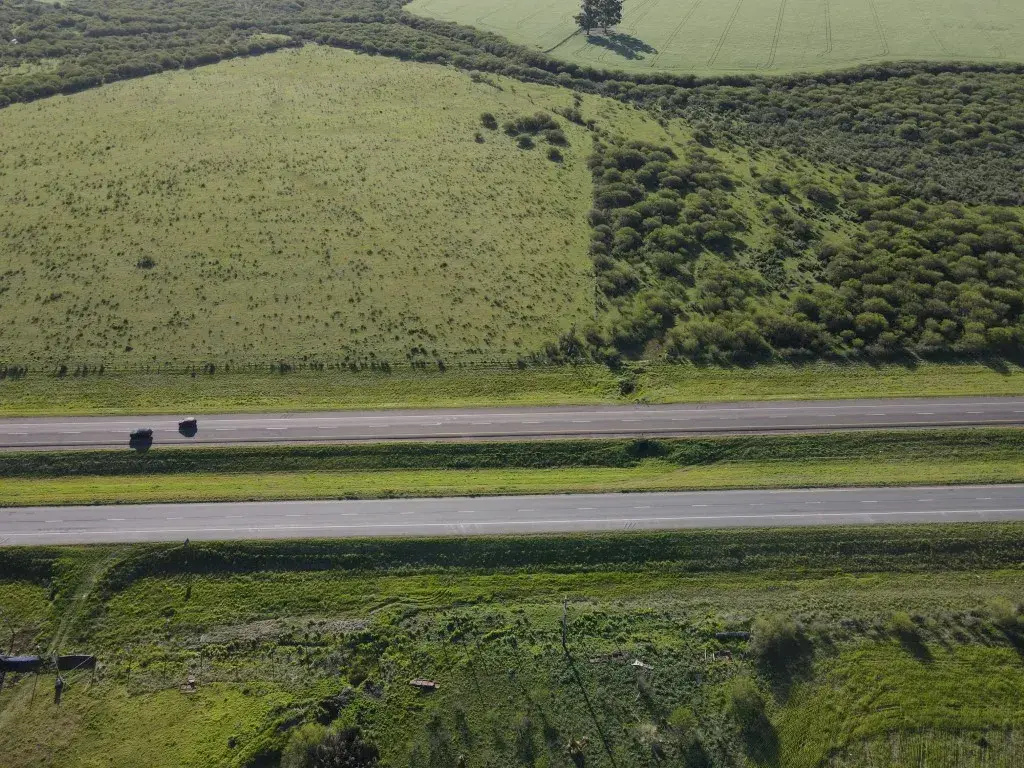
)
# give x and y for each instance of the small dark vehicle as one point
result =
(188, 426)
(141, 438)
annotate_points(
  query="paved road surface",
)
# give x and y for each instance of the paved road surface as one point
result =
(518, 423)
(509, 514)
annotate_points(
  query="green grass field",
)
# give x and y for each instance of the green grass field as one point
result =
(904, 652)
(41, 394)
(311, 204)
(769, 36)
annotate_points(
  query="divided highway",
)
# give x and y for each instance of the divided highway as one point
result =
(518, 423)
(509, 514)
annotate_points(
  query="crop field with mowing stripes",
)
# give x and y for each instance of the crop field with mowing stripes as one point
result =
(722, 36)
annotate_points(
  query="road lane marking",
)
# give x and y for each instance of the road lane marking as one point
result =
(512, 523)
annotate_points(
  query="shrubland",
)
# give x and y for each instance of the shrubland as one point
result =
(862, 642)
(708, 264)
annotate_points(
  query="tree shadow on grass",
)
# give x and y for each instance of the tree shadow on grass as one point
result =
(912, 643)
(761, 741)
(590, 708)
(626, 46)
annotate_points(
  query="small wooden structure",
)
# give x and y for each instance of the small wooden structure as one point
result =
(424, 685)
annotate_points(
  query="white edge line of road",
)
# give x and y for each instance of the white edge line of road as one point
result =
(496, 523)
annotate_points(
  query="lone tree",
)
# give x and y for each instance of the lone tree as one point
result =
(609, 13)
(587, 18)
(599, 13)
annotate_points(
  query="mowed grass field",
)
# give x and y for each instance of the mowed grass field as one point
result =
(770, 36)
(308, 205)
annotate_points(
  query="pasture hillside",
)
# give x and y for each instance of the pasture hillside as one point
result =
(750, 36)
(308, 205)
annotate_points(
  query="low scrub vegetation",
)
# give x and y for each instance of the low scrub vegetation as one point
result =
(302, 653)
(707, 265)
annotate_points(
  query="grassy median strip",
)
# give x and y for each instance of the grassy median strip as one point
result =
(470, 469)
(38, 394)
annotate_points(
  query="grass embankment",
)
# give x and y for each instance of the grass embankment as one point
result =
(871, 646)
(455, 469)
(39, 394)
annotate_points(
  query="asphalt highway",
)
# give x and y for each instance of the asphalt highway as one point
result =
(509, 514)
(517, 423)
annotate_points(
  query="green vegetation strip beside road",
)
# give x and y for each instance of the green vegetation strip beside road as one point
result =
(895, 641)
(462, 469)
(122, 393)
(782, 551)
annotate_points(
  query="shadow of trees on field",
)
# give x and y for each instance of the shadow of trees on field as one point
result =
(627, 46)
(761, 741)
